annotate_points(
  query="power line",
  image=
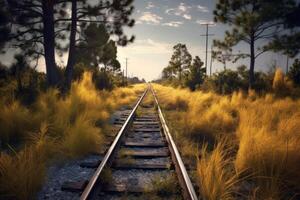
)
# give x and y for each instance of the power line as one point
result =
(207, 35)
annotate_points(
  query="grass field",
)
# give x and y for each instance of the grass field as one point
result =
(53, 129)
(247, 146)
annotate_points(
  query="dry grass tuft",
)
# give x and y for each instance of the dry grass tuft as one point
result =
(22, 174)
(216, 176)
(81, 138)
(14, 122)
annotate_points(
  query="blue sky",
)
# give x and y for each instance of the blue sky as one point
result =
(160, 24)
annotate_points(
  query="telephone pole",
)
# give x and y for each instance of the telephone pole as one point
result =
(126, 70)
(207, 35)
(211, 60)
(287, 64)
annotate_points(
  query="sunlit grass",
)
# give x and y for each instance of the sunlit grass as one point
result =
(263, 130)
(22, 174)
(216, 176)
(54, 128)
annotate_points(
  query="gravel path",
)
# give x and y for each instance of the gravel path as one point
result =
(58, 174)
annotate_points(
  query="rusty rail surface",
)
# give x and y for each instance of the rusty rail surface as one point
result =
(184, 179)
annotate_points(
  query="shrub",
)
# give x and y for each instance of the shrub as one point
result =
(294, 73)
(82, 138)
(281, 85)
(14, 122)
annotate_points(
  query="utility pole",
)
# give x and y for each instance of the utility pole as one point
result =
(211, 60)
(126, 71)
(123, 77)
(287, 64)
(207, 35)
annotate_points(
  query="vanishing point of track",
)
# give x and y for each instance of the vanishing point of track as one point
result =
(144, 138)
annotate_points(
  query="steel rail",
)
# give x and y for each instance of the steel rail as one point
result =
(184, 179)
(89, 189)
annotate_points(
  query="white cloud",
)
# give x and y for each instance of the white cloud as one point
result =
(173, 24)
(150, 5)
(182, 7)
(182, 10)
(187, 16)
(149, 18)
(170, 11)
(202, 8)
(146, 47)
(201, 21)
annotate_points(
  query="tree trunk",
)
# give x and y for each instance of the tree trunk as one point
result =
(49, 43)
(252, 63)
(71, 58)
(19, 79)
(179, 75)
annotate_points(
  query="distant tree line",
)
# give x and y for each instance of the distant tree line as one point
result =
(183, 72)
(264, 25)
(79, 28)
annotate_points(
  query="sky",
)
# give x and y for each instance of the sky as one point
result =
(160, 25)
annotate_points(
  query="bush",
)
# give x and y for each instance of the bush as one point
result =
(281, 85)
(294, 72)
(81, 138)
(14, 122)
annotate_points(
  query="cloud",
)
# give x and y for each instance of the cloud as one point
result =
(202, 8)
(186, 16)
(146, 47)
(150, 5)
(149, 18)
(183, 7)
(201, 21)
(182, 10)
(173, 24)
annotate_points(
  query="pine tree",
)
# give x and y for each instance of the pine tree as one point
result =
(253, 22)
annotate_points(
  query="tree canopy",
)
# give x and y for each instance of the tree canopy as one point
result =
(40, 28)
(254, 22)
(180, 60)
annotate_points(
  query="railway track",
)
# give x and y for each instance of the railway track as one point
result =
(142, 160)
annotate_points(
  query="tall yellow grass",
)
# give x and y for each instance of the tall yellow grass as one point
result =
(216, 176)
(264, 130)
(54, 128)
